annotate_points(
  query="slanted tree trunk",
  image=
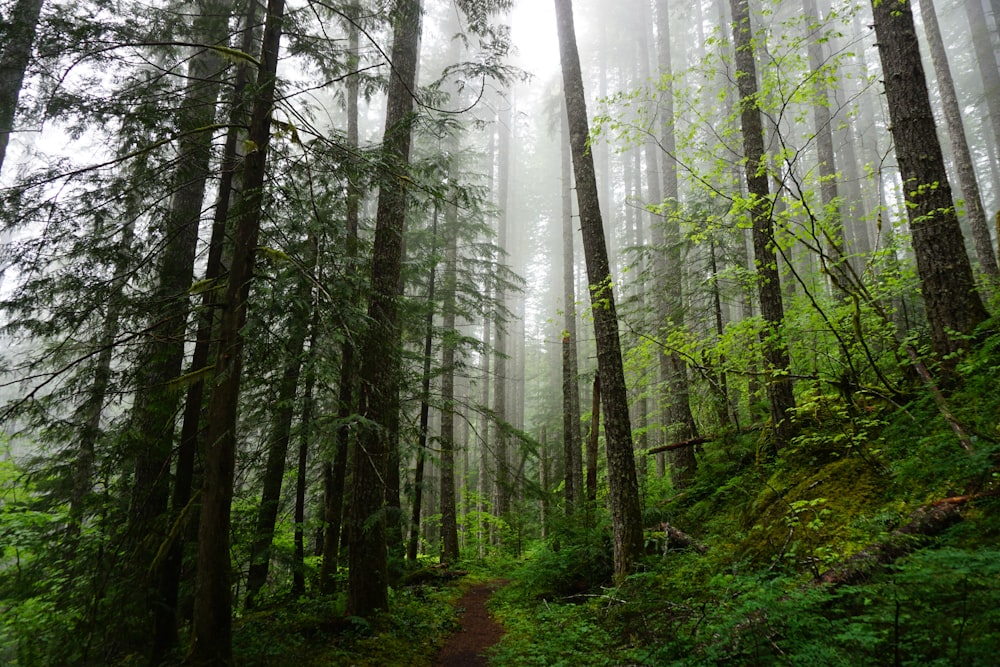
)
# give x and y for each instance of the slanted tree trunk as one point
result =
(623, 493)
(986, 59)
(960, 146)
(211, 632)
(950, 297)
(18, 39)
(368, 573)
(779, 385)
(572, 440)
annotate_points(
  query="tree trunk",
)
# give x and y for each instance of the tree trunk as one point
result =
(211, 633)
(595, 427)
(449, 516)
(950, 297)
(502, 482)
(280, 433)
(165, 636)
(572, 440)
(960, 146)
(425, 407)
(986, 59)
(18, 40)
(302, 467)
(624, 496)
(831, 217)
(675, 395)
(779, 385)
(153, 418)
(368, 573)
(335, 470)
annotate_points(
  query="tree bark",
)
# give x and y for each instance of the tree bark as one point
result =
(779, 385)
(18, 40)
(211, 633)
(449, 512)
(502, 481)
(960, 146)
(624, 496)
(280, 434)
(986, 59)
(368, 573)
(425, 407)
(335, 470)
(572, 440)
(950, 297)
(675, 396)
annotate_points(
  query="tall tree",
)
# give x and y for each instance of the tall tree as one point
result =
(368, 575)
(960, 145)
(624, 494)
(449, 516)
(502, 481)
(211, 632)
(18, 36)
(572, 440)
(153, 418)
(779, 385)
(335, 468)
(986, 59)
(667, 267)
(280, 430)
(832, 216)
(953, 305)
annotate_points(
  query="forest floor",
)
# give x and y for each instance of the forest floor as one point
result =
(477, 632)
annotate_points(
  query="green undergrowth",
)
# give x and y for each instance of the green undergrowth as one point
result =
(314, 632)
(770, 527)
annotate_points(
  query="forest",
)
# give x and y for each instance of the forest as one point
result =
(668, 329)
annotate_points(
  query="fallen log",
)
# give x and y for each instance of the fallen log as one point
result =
(680, 445)
(925, 523)
(673, 540)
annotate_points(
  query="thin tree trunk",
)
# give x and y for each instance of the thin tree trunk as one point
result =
(832, 216)
(449, 518)
(211, 633)
(368, 574)
(960, 146)
(675, 396)
(280, 434)
(986, 59)
(302, 467)
(335, 470)
(502, 481)
(595, 427)
(572, 440)
(779, 385)
(624, 495)
(425, 407)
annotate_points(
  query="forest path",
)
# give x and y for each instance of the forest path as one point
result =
(477, 633)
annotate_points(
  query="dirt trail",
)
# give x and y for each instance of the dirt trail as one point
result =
(477, 633)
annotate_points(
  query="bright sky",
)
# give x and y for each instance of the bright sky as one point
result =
(533, 27)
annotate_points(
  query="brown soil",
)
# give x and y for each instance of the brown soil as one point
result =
(477, 633)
